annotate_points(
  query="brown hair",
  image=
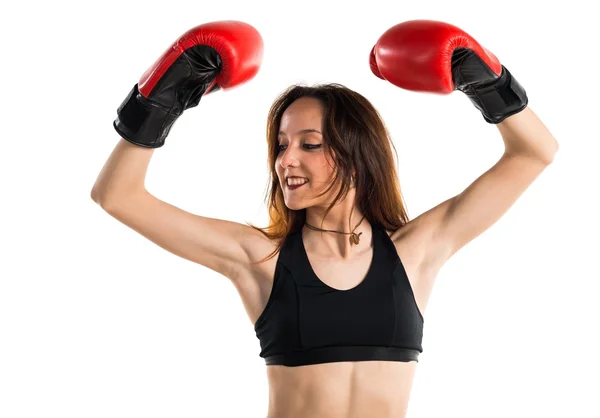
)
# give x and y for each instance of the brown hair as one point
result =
(355, 132)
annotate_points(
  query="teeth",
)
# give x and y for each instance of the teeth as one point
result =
(296, 181)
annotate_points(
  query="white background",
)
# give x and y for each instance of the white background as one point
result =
(97, 321)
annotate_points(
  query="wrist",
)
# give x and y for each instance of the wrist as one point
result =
(143, 122)
(499, 99)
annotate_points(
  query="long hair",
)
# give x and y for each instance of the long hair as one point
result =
(355, 132)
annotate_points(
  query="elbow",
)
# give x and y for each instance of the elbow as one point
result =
(98, 197)
(111, 201)
(547, 154)
(556, 148)
(552, 149)
(95, 195)
(551, 153)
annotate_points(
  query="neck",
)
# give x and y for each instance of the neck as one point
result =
(332, 244)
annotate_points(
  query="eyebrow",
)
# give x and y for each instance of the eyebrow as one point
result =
(303, 131)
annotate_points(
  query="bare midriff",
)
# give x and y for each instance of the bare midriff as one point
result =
(341, 390)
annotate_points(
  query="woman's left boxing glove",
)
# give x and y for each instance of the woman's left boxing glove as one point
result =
(436, 57)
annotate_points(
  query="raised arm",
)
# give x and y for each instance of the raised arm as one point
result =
(529, 149)
(209, 57)
(123, 175)
(437, 57)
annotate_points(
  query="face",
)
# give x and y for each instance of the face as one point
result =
(302, 153)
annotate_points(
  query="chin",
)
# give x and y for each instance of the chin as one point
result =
(295, 206)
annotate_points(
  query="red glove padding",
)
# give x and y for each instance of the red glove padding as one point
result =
(437, 57)
(208, 57)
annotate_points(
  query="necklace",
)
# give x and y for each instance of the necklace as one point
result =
(354, 238)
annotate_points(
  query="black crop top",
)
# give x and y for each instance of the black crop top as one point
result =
(306, 321)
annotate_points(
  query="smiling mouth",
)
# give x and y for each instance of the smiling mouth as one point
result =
(295, 186)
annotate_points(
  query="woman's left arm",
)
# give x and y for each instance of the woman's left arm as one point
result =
(434, 56)
(529, 149)
(526, 135)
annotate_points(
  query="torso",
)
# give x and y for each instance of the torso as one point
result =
(343, 389)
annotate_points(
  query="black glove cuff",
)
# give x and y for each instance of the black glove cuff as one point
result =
(143, 122)
(500, 99)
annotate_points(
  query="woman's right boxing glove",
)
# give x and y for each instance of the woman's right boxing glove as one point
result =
(212, 56)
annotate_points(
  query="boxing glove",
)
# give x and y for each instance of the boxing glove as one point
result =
(207, 58)
(437, 57)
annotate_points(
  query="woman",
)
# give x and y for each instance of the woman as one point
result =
(337, 285)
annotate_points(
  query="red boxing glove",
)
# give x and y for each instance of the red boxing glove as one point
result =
(436, 57)
(209, 57)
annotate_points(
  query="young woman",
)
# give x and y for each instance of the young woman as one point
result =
(336, 286)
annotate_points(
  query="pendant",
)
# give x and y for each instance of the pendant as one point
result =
(355, 239)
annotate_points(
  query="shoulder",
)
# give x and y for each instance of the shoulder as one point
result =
(257, 246)
(409, 245)
(415, 241)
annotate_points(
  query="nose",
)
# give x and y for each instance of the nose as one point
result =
(287, 158)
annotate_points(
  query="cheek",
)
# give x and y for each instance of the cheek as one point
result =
(328, 168)
(328, 161)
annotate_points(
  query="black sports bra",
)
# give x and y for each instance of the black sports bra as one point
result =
(306, 321)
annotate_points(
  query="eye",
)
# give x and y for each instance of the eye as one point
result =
(307, 146)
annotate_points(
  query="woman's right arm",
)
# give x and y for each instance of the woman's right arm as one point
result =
(204, 59)
(219, 245)
(123, 174)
